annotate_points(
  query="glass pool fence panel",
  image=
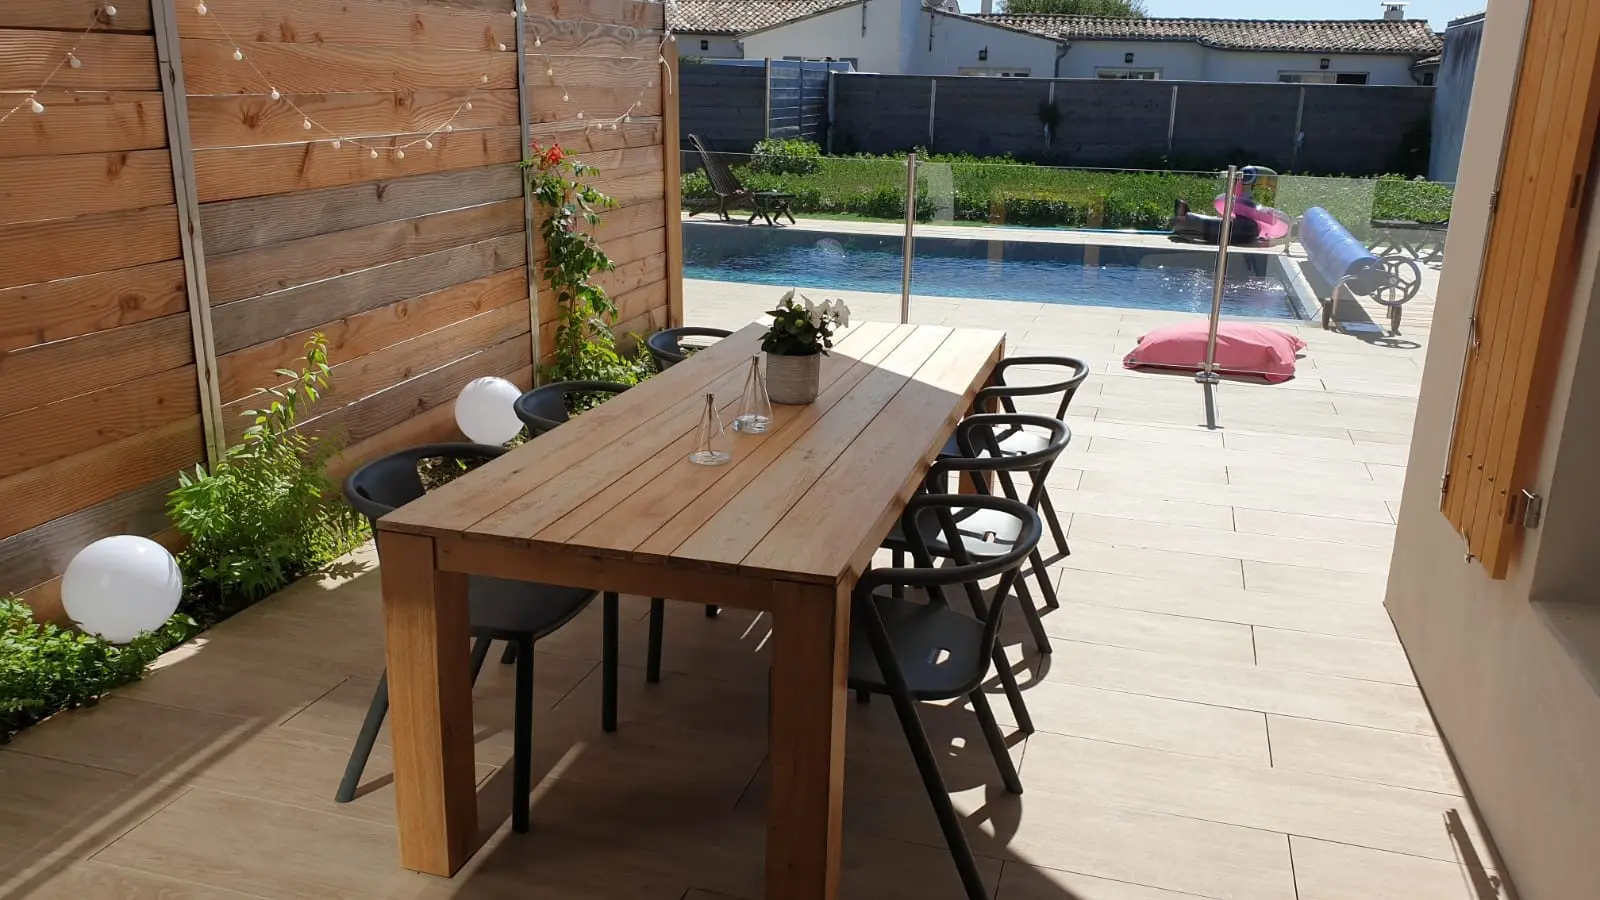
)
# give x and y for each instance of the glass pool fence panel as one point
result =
(830, 227)
(1068, 261)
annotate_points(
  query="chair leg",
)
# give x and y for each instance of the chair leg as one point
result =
(997, 742)
(1054, 521)
(652, 665)
(1043, 575)
(713, 611)
(1031, 614)
(480, 652)
(608, 663)
(939, 795)
(522, 746)
(509, 655)
(1008, 681)
(363, 748)
(898, 591)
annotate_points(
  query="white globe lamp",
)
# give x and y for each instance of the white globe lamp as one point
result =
(485, 412)
(119, 587)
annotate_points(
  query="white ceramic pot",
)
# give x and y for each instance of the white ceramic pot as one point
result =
(793, 379)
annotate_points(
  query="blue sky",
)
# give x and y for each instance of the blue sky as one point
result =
(1438, 12)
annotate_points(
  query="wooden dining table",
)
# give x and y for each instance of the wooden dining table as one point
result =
(609, 501)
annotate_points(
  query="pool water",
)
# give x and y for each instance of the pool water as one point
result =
(1177, 280)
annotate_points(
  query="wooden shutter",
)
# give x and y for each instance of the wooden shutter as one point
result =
(1527, 281)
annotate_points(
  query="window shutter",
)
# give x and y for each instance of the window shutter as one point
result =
(1526, 286)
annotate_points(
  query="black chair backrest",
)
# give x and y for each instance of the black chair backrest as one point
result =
(390, 482)
(980, 436)
(545, 407)
(1067, 387)
(947, 509)
(666, 345)
(723, 181)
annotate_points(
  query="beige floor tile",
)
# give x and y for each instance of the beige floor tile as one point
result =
(1198, 638)
(1193, 436)
(1310, 581)
(1275, 461)
(1275, 800)
(1315, 448)
(1365, 436)
(1301, 694)
(201, 676)
(133, 737)
(96, 880)
(1394, 509)
(49, 806)
(1024, 882)
(1145, 509)
(1345, 657)
(1117, 559)
(1301, 499)
(1330, 871)
(1142, 721)
(1172, 467)
(1228, 543)
(1316, 528)
(1179, 597)
(1390, 476)
(1367, 754)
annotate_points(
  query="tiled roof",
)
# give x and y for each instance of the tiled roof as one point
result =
(1409, 36)
(740, 16)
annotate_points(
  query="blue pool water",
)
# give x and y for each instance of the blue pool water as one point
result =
(1175, 279)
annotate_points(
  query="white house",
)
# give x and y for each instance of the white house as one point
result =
(914, 37)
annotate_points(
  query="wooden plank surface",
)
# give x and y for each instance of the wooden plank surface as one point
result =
(64, 248)
(74, 15)
(410, 23)
(252, 119)
(57, 310)
(53, 187)
(672, 176)
(89, 420)
(95, 122)
(42, 552)
(55, 371)
(545, 15)
(209, 68)
(120, 62)
(811, 511)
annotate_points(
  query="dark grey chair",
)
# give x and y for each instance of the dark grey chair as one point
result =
(517, 612)
(980, 443)
(1021, 441)
(930, 651)
(546, 407)
(667, 347)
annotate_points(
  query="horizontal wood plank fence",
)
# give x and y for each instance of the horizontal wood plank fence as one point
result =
(172, 232)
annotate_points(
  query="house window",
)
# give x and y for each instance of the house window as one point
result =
(705, 45)
(1323, 77)
(1126, 74)
(993, 72)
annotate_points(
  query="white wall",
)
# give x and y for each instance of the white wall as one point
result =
(956, 42)
(838, 33)
(718, 46)
(1189, 61)
(1520, 715)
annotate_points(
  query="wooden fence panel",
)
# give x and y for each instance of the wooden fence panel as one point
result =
(99, 406)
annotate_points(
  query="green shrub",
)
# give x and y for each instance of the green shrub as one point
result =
(1397, 197)
(696, 185)
(786, 156)
(45, 668)
(265, 514)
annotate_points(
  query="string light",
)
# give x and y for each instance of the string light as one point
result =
(201, 8)
(70, 60)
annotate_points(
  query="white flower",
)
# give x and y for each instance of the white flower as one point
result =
(841, 314)
(787, 297)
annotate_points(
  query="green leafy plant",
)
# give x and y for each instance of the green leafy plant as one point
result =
(786, 156)
(46, 668)
(265, 514)
(585, 348)
(802, 328)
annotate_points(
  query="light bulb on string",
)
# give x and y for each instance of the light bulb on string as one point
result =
(306, 124)
(337, 143)
(565, 97)
(449, 128)
(110, 11)
(238, 55)
(427, 145)
(399, 154)
(373, 154)
(201, 8)
(550, 70)
(275, 95)
(38, 108)
(502, 48)
(467, 105)
(580, 113)
(74, 61)
(484, 80)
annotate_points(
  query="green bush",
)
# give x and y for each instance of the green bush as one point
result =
(265, 514)
(786, 156)
(45, 668)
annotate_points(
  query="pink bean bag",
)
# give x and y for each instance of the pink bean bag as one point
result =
(1242, 349)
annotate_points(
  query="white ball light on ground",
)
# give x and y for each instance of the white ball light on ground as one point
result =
(118, 587)
(485, 412)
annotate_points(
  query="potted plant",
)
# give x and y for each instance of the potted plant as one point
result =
(800, 335)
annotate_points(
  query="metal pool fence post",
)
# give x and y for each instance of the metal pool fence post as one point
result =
(1207, 376)
(910, 238)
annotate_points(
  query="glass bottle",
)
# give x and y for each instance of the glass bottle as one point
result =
(711, 442)
(755, 410)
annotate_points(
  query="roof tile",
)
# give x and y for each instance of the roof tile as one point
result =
(1411, 36)
(740, 16)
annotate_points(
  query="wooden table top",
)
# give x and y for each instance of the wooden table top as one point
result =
(807, 501)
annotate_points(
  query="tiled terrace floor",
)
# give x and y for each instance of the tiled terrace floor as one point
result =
(1227, 715)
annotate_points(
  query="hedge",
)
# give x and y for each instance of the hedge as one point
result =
(966, 189)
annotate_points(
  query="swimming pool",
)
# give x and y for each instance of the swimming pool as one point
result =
(1176, 279)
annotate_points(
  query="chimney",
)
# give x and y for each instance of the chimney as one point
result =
(988, 7)
(1393, 11)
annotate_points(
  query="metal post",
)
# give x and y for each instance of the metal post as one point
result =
(933, 101)
(1172, 121)
(525, 119)
(766, 129)
(910, 240)
(1299, 123)
(176, 103)
(828, 130)
(1208, 374)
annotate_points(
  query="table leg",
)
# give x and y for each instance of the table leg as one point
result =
(811, 653)
(430, 705)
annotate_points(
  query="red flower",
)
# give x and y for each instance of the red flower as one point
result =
(553, 156)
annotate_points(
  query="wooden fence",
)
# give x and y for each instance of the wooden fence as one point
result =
(171, 232)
